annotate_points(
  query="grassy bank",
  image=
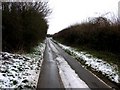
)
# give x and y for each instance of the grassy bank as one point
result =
(111, 58)
(104, 55)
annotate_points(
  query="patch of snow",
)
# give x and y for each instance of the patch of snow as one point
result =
(21, 71)
(69, 77)
(111, 71)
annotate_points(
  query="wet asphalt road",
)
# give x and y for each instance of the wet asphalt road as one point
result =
(49, 76)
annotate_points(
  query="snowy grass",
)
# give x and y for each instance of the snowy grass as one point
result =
(21, 71)
(108, 69)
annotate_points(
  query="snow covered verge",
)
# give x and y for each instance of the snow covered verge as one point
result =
(107, 69)
(21, 71)
(69, 77)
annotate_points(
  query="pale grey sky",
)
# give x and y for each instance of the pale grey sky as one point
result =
(68, 12)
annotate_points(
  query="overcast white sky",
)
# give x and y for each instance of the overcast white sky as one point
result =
(68, 12)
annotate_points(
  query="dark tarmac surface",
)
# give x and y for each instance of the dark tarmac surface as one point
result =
(49, 77)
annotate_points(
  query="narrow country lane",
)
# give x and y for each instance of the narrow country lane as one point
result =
(49, 77)
(55, 75)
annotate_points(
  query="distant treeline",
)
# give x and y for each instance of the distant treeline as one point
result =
(98, 33)
(23, 25)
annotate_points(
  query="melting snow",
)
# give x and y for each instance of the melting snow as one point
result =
(69, 77)
(20, 71)
(98, 64)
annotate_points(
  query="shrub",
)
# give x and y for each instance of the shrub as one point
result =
(23, 25)
(99, 33)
